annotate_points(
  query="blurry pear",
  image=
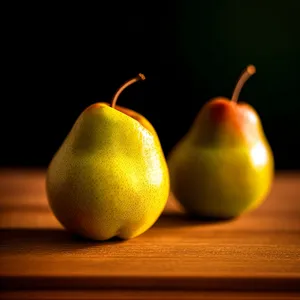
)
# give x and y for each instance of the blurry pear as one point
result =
(223, 167)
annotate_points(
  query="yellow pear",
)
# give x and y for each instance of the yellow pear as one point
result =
(224, 165)
(110, 177)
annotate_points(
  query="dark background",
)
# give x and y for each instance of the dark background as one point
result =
(59, 59)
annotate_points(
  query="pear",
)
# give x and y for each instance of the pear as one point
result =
(109, 177)
(224, 166)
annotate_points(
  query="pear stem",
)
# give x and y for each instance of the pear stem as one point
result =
(250, 70)
(139, 77)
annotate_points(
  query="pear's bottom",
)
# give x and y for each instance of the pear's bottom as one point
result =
(217, 197)
(87, 229)
(86, 235)
(215, 182)
(210, 209)
(104, 225)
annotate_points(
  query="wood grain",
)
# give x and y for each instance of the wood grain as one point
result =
(145, 295)
(257, 252)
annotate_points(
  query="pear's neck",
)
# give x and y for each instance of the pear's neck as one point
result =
(233, 127)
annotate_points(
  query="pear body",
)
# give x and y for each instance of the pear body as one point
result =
(109, 178)
(224, 165)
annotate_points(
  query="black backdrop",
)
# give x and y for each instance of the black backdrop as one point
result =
(59, 59)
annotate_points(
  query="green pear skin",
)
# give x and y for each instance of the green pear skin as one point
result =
(224, 166)
(109, 178)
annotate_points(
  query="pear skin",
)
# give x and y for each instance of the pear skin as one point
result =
(224, 166)
(109, 178)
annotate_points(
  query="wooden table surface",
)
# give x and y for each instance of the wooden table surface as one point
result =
(254, 256)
